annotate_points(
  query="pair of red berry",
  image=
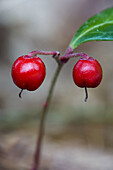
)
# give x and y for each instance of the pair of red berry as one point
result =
(29, 73)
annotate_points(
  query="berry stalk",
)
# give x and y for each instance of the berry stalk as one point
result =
(55, 54)
(67, 56)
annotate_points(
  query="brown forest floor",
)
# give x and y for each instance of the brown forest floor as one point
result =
(71, 148)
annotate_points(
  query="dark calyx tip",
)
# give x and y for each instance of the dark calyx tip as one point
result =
(86, 93)
(20, 94)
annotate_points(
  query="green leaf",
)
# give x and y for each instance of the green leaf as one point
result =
(97, 28)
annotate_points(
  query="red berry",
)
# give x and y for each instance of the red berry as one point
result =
(87, 73)
(28, 72)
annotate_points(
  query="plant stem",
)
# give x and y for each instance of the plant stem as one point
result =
(42, 121)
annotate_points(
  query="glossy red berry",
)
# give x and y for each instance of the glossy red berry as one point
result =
(28, 72)
(87, 73)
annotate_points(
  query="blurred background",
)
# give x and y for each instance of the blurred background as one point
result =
(78, 135)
